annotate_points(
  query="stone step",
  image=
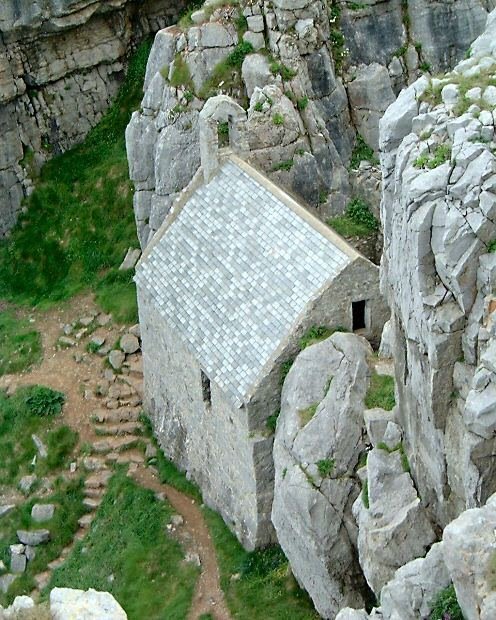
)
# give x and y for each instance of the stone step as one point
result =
(56, 563)
(124, 428)
(115, 444)
(136, 384)
(85, 521)
(127, 457)
(98, 479)
(93, 463)
(94, 493)
(80, 534)
(91, 503)
(114, 416)
(42, 579)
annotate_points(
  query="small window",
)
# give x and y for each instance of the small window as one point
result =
(358, 315)
(206, 393)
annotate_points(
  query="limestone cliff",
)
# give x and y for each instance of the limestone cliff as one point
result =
(61, 63)
(311, 74)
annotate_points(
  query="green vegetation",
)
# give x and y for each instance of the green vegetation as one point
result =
(399, 448)
(442, 153)
(446, 606)
(80, 219)
(278, 68)
(362, 152)
(484, 78)
(302, 103)
(265, 587)
(316, 333)
(357, 220)
(20, 344)
(278, 119)
(21, 415)
(272, 422)
(336, 37)
(283, 165)
(68, 498)
(258, 106)
(223, 134)
(325, 467)
(380, 392)
(181, 76)
(227, 72)
(44, 401)
(127, 540)
(285, 368)
(491, 247)
(425, 67)
(307, 414)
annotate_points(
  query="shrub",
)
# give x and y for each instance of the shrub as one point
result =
(278, 119)
(362, 152)
(236, 57)
(325, 467)
(357, 221)
(44, 401)
(445, 606)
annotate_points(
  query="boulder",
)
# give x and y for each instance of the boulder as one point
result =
(129, 343)
(66, 604)
(33, 537)
(318, 442)
(116, 359)
(42, 512)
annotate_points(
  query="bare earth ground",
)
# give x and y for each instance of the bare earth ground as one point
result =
(60, 370)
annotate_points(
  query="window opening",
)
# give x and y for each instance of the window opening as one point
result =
(206, 391)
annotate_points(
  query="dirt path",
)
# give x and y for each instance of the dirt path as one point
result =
(76, 373)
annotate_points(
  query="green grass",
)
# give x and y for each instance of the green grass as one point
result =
(80, 220)
(283, 165)
(17, 423)
(128, 540)
(265, 588)
(278, 68)
(68, 499)
(227, 72)
(20, 344)
(380, 392)
(325, 467)
(442, 153)
(446, 606)
(357, 220)
(181, 75)
(316, 333)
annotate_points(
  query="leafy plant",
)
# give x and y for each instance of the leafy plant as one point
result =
(325, 467)
(44, 401)
(258, 106)
(302, 103)
(357, 221)
(236, 57)
(278, 119)
(362, 152)
(445, 606)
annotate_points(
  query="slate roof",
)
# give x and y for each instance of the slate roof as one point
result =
(233, 271)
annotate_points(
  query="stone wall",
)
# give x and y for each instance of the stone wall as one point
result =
(61, 64)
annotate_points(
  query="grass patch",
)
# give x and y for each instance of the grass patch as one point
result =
(127, 540)
(80, 220)
(227, 72)
(181, 75)
(446, 605)
(17, 423)
(380, 392)
(265, 588)
(442, 153)
(317, 333)
(278, 119)
(325, 467)
(20, 344)
(116, 295)
(283, 165)
(307, 414)
(278, 68)
(357, 220)
(271, 422)
(68, 499)
(362, 152)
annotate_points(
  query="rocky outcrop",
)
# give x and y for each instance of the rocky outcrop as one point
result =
(438, 273)
(320, 436)
(61, 63)
(298, 74)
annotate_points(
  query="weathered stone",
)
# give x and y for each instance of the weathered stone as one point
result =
(42, 512)
(40, 446)
(5, 509)
(18, 562)
(6, 581)
(66, 604)
(26, 483)
(33, 537)
(116, 359)
(129, 343)
(130, 260)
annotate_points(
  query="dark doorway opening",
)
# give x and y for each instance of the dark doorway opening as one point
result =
(358, 314)
(206, 392)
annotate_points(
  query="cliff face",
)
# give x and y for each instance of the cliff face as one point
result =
(325, 70)
(61, 63)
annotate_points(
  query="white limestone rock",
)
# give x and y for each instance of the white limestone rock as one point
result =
(66, 604)
(311, 509)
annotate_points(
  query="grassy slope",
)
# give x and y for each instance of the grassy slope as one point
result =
(80, 218)
(17, 450)
(128, 540)
(20, 344)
